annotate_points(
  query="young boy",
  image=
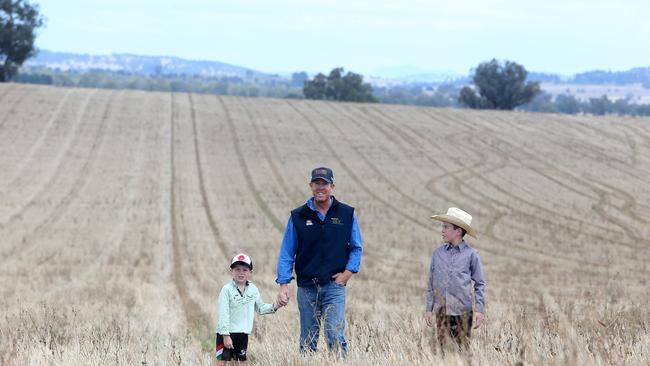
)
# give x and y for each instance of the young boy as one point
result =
(454, 266)
(238, 301)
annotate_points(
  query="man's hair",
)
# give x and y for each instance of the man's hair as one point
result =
(458, 227)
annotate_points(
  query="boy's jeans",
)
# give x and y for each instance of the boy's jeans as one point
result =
(322, 304)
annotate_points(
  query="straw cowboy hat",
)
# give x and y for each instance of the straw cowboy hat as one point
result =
(459, 218)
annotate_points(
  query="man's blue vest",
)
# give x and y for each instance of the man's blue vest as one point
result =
(323, 246)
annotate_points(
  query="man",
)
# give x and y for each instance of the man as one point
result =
(323, 242)
(454, 266)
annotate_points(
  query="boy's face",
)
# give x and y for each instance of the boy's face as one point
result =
(449, 234)
(240, 273)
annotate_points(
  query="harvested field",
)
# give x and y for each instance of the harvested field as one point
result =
(119, 211)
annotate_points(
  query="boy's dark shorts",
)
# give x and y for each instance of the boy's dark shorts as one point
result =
(237, 353)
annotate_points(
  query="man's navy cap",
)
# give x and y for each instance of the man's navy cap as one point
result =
(323, 173)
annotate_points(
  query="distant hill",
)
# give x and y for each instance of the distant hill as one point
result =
(632, 76)
(638, 75)
(139, 65)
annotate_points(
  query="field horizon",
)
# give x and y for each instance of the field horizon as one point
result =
(119, 211)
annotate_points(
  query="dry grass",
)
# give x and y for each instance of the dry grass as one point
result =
(118, 211)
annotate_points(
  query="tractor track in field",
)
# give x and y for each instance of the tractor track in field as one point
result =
(84, 173)
(567, 186)
(277, 224)
(204, 195)
(582, 222)
(367, 161)
(196, 318)
(602, 202)
(631, 170)
(585, 150)
(118, 233)
(551, 257)
(56, 170)
(44, 133)
(12, 108)
(526, 202)
(55, 213)
(275, 170)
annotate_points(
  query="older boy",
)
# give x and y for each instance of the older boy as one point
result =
(454, 266)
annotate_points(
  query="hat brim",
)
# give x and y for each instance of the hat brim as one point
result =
(456, 221)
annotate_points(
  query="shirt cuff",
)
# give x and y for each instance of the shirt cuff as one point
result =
(283, 282)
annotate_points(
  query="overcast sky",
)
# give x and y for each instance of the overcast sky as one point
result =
(561, 36)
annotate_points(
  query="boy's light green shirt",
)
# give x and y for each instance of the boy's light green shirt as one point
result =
(236, 311)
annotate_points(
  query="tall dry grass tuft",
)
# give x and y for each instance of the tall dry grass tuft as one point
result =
(46, 335)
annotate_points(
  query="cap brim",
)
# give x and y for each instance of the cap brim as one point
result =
(242, 263)
(456, 221)
(322, 178)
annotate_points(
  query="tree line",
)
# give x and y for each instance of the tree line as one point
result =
(568, 104)
(106, 79)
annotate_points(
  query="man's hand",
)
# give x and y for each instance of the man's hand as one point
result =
(227, 342)
(283, 296)
(428, 317)
(342, 278)
(277, 305)
(477, 319)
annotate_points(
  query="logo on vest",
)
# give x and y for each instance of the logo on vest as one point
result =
(336, 221)
(308, 223)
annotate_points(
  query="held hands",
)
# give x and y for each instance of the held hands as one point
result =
(283, 297)
(277, 305)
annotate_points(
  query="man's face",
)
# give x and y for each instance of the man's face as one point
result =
(240, 273)
(321, 190)
(449, 233)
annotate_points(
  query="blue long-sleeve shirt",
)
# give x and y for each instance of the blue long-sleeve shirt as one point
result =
(290, 245)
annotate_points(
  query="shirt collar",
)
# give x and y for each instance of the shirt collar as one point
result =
(462, 245)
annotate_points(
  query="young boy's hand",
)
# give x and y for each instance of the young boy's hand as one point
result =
(277, 305)
(227, 342)
(428, 316)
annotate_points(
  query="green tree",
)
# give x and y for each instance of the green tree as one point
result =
(18, 23)
(600, 106)
(339, 87)
(316, 88)
(499, 86)
(567, 104)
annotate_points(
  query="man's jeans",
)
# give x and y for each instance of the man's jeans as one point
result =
(322, 304)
